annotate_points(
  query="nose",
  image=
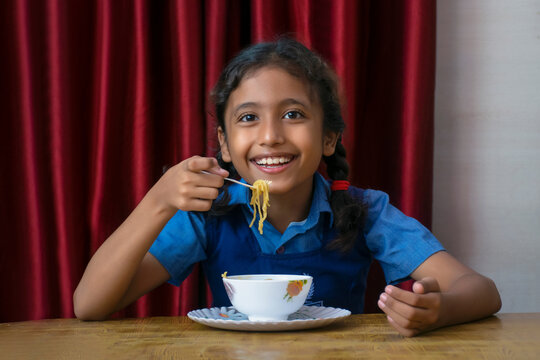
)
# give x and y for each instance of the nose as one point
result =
(270, 132)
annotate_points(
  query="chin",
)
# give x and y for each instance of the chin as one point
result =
(279, 189)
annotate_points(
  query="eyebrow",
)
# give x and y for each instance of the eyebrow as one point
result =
(245, 105)
(287, 101)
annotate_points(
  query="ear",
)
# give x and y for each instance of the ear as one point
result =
(225, 155)
(329, 143)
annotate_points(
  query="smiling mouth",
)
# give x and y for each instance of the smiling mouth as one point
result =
(271, 162)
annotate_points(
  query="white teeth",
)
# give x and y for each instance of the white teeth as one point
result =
(273, 161)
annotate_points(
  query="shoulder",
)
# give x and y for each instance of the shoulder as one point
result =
(372, 200)
(376, 198)
(377, 204)
(382, 215)
(357, 193)
(369, 197)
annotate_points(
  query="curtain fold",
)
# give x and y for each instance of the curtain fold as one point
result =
(60, 152)
(30, 192)
(99, 98)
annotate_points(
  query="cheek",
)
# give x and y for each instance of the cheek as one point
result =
(237, 146)
(310, 141)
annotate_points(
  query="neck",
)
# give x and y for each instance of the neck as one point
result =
(290, 207)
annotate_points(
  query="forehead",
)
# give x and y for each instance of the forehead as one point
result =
(270, 85)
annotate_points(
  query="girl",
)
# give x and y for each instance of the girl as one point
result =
(278, 115)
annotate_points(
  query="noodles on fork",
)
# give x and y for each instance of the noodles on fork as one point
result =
(259, 189)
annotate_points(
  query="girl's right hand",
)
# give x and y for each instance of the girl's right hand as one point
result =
(184, 187)
(122, 269)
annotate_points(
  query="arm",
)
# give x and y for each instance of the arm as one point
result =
(122, 270)
(446, 292)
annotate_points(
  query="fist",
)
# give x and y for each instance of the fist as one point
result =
(184, 187)
(411, 313)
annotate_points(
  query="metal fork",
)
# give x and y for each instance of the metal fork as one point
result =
(232, 180)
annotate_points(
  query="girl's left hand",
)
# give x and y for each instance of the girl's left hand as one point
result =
(411, 313)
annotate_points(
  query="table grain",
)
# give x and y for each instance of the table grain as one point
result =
(367, 336)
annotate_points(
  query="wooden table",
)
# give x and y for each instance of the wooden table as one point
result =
(504, 336)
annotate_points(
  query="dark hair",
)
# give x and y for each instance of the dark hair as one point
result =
(301, 62)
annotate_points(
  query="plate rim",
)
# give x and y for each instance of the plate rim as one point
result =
(277, 325)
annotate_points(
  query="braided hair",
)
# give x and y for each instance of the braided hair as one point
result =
(299, 61)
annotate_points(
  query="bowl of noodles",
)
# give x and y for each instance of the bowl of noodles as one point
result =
(267, 297)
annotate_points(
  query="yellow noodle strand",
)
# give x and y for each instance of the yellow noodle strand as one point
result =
(260, 188)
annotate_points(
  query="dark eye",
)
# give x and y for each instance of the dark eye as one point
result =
(293, 115)
(247, 118)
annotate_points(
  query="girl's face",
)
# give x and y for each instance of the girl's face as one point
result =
(274, 131)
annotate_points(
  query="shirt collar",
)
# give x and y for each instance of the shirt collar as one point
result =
(320, 201)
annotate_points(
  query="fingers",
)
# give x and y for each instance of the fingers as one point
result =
(199, 186)
(403, 330)
(199, 192)
(194, 198)
(407, 297)
(216, 174)
(200, 205)
(410, 312)
(426, 285)
(197, 164)
(185, 187)
(218, 171)
(404, 326)
(403, 313)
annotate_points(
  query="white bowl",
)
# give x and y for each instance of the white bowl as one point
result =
(267, 297)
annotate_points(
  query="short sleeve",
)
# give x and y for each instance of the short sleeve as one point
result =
(400, 243)
(181, 244)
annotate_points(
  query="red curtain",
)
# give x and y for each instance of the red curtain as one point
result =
(97, 97)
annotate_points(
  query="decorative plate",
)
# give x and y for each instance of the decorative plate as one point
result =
(308, 317)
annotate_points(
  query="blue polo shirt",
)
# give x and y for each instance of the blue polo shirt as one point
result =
(398, 242)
